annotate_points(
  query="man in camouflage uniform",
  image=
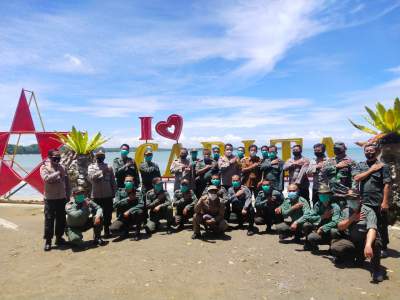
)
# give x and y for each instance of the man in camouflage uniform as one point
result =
(159, 204)
(337, 173)
(181, 168)
(251, 174)
(297, 167)
(184, 201)
(101, 176)
(148, 170)
(240, 199)
(124, 166)
(271, 167)
(315, 169)
(83, 214)
(266, 202)
(209, 211)
(205, 168)
(129, 208)
(372, 179)
(229, 165)
(358, 238)
(324, 216)
(293, 209)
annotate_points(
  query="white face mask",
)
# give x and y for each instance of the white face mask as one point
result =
(228, 152)
(212, 196)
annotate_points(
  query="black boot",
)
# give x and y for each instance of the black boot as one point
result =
(47, 245)
(196, 236)
(107, 232)
(98, 241)
(60, 241)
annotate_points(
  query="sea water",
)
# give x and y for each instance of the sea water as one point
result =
(29, 161)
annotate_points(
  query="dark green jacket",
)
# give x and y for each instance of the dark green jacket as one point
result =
(121, 172)
(154, 199)
(122, 203)
(183, 200)
(148, 171)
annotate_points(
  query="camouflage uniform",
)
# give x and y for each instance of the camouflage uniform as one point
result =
(80, 218)
(135, 207)
(318, 178)
(181, 201)
(148, 171)
(265, 208)
(340, 180)
(371, 191)
(121, 172)
(273, 172)
(206, 209)
(154, 199)
(294, 215)
(296, 171)
(349, 244)
(178, 169)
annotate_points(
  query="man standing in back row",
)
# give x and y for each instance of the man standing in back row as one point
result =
(124, 166)
(56, 194)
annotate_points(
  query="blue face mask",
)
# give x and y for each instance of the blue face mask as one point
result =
(80, 198)
(266, 188)
(264, 154)
(148, 158)
(158, 187)
(184, 188)
(129, 185)
(215, 182)
(324, 198)
(236, 184)
(124, 153)
(216, 156)
(353, 204)
(292, 195)
(240, 154)
(272, 155)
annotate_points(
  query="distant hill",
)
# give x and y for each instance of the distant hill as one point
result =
(34, 149)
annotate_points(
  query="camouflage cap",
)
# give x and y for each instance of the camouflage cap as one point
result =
(100, 152)
(78, 190)
(339, 145)
(324, 189)
(212, 188)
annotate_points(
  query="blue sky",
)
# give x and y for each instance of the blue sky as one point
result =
(233, 69)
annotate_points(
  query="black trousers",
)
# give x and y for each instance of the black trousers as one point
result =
(267, 213)
(315, 196)
(106, 205)
(304, 192)
(54, 214)
(383, 223)
(249, 217)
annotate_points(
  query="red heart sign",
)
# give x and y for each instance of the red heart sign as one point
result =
(176, 121)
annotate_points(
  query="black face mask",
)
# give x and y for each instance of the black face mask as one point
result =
(100, 159)
(319, 154)
(56, 159)
(296, 154)
(370, 156)
(207, 160)
(338, 151)
(183, 156)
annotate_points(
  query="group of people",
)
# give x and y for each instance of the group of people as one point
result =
(347, 208)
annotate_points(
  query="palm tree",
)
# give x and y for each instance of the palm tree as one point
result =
(387, 122)
(78, 155)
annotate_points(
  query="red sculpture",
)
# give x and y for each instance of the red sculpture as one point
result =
(176, 121)
(23, 124)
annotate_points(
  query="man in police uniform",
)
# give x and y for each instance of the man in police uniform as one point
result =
(101, 176)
